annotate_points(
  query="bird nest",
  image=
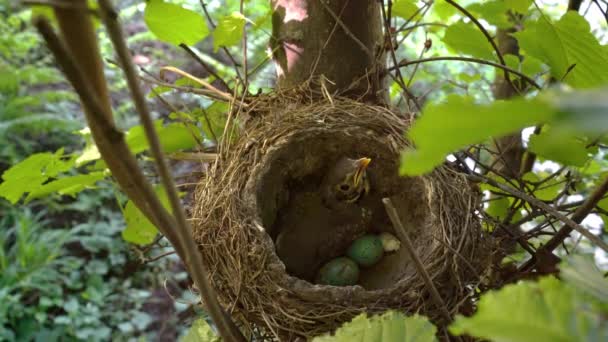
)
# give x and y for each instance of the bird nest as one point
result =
(285, 146)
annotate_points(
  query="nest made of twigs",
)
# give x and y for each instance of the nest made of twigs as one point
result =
(286, 141)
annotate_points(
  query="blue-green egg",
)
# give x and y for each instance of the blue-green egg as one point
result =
(340, 271)
(366, 250)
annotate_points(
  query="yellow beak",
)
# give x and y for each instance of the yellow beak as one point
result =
(361, 165)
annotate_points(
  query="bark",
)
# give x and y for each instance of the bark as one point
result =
(510, 147)
(343, 55)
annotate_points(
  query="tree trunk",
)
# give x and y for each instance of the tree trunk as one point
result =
(510, 147)
(344, 56)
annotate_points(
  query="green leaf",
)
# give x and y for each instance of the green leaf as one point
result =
(548, 310)
(540, 40)
(459, 122)
(546, 191)
(391, 326)
(67, 185)
(467, 39)
(200, 331)
(229, 30)
(583, 110)
(405, 9)
(499, 208)
(213, 120)
(531, 66)
(585, 276)
(494, 12)
(173, 24)
(519, 6)
(178, 136)
(139, 229)
(31, 173)
(443, 10)
(560, 146)
(563, 44)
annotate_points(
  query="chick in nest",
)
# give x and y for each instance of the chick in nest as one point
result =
(316, 226)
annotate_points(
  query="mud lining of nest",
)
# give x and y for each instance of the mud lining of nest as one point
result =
(284, 144)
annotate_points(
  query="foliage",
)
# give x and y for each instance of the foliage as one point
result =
(30, 103)
(200, 331)
(390, 326)
(173, 24)
(47, 286)
(59, 282)
(549, 309)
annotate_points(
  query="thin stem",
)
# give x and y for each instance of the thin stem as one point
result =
(467, 59)
(245, 68)
(226, 51)
(399, 78)
(409, 247)
(488, 37)
(573, 225)
(204, 65)
(578, 216)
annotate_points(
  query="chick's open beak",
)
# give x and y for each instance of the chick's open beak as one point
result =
(361, 165)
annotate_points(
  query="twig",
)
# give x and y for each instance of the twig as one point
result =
(204, 92)
(578, 216)
(399, 78)
(245, 68)
(547, 208)
(347, 30)
(211, 88)
(226, 51)
(194, 156)
(468, 59)
(158, 257)
(204, 65)
(193, 258)
(488, 37)
(409, 247)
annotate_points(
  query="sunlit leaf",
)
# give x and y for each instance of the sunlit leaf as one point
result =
(213, 120)
(139, 230)
(494, 12)
(566, 43)
(200, 331)
(179, 136)
(391, 326)
(443, 10)
(229, 30)
(499, 208)
(519, 6)
(547, 190)
(31, 173)
(548, 310)
(173, 24)
(69, 185)
(459, 122)
(467, 39)
(560, 146)
(405, 9)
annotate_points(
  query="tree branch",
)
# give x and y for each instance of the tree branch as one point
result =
(488, 37)
(547, 208)
(409, 247)
(578, 216)
(468, 59)
(228, 330)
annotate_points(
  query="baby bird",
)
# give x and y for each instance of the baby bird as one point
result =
(345, 182)
(316, 224)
